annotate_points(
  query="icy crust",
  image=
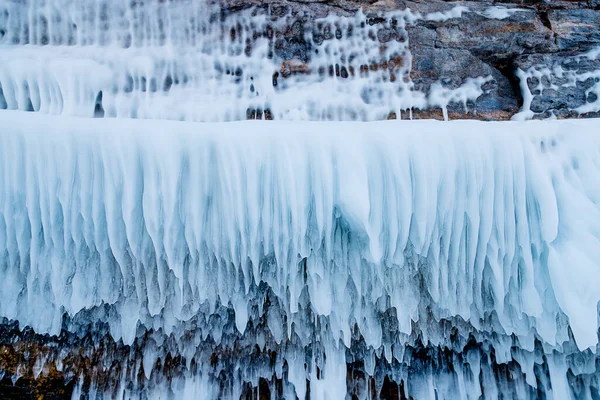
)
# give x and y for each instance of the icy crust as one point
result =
(191, 61)
(159, 218)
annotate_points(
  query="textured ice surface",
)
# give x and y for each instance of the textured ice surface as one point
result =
(456, 260)
(496, 224)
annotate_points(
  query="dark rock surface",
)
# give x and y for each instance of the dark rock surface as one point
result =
(566, 84)
(539, 34)
(575, 28)
(93, 358)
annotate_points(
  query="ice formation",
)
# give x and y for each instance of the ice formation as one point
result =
(164, 221)
(192, 258)
(536, 79)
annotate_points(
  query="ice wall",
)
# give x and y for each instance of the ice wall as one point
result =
(492, 224)
(166, 254)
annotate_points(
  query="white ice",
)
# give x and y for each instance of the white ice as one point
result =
(163, 221)
(158, 217)
(497, 12)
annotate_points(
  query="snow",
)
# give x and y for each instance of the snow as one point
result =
(497, 12)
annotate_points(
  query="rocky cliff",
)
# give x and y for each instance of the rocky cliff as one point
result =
(538, 55)
(303, 60)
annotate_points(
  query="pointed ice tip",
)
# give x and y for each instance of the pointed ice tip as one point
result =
(241, 325)
(585, 336)
(241, 316)
(375, 248)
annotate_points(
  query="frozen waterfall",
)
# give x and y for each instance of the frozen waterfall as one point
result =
(152, 224)
(155, 244)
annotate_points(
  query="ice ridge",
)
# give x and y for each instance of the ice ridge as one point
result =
(158, 218)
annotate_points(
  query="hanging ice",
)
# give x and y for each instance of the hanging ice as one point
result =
(163, 257)
(164, 221)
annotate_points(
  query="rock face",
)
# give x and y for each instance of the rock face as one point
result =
(386, 59)
(450, 42)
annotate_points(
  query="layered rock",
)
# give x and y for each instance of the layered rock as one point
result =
(451, 42)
